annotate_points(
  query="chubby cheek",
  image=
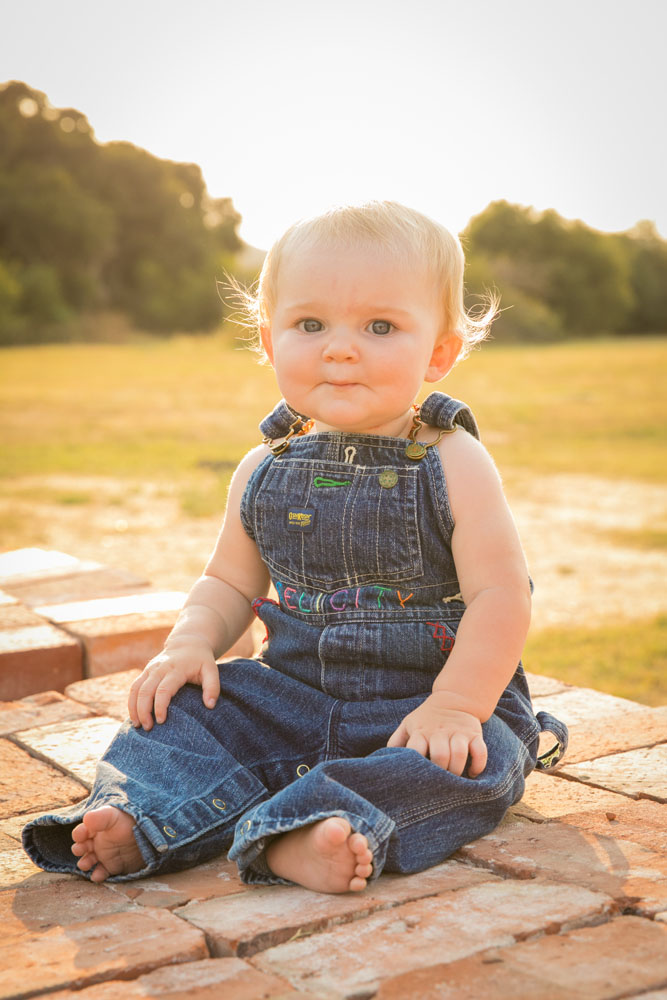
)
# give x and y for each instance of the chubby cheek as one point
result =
(293, 371)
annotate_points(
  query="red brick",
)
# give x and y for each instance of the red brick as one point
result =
(550, 796)
(268, 915)
(16, 615)
(106, 947)
(37, 657)
(105, 695)
(602, 724)
(634, 876)
(540, 685)
(594, 963)
(16, 868)
(212, 879)
(643, 822)
(22, 565)
(91, 580)
(37, 710)
(638, 773)
(119, 633)
(597, 810)
(27, 784)
(75, 746)
(209, 979)
(353, 959)
(32, 908)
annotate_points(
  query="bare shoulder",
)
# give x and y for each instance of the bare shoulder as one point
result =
(246, 467)
(471, 474)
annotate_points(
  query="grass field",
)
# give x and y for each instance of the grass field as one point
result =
(164, 407)
(181, 412)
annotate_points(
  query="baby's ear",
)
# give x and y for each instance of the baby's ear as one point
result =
(444, 356)
(267, 342)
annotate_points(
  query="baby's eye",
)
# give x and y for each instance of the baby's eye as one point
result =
(310, 325)
(381, 327)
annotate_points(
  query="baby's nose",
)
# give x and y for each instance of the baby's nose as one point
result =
(341, 345)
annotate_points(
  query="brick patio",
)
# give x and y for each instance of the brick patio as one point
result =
(566, 899)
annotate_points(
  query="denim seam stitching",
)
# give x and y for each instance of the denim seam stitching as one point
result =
(331, 750)
(463, 800)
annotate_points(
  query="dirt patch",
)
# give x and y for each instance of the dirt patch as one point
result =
(567, 523)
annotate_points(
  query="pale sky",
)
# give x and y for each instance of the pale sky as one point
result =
(290, 106)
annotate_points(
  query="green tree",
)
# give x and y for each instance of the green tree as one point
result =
(559, 277)
(84, 225)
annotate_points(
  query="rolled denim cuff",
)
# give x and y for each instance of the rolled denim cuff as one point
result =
(47, 840)
(548, 723)
(253, 832)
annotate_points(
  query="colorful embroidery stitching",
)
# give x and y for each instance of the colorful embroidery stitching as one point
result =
(440, 632)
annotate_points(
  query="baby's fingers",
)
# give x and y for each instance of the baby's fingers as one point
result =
(419, 743)
(439, 750)
(459, 749)
(210, 682)
(141, 696)
(478, 756)
(146, 687)
(165, 691)
(399, 737)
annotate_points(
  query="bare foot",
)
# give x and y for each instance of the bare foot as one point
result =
(105, 845)
(325, 856)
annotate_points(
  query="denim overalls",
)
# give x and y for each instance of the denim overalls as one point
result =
(356, 535)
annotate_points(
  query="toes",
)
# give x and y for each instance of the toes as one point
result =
(96, 820)
(80, 832)
(337, 829)
(99, 874)
(82, 848)
(87, 862)
(357, 884)
(359, 846)
(364, 871)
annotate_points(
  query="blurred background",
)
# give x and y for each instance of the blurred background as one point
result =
(147, 154)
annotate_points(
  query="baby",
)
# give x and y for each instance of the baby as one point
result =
(387, 720)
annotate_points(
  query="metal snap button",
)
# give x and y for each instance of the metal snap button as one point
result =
(219, 804)
(388, 478)
(169, 831)
(302, 769)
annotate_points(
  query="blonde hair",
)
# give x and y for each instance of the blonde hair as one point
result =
(399, 231)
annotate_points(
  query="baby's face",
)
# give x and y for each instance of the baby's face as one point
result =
(353, 335)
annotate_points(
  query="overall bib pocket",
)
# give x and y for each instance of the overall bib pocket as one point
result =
(333, 520)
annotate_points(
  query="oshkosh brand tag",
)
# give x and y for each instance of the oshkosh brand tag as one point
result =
(300, 519)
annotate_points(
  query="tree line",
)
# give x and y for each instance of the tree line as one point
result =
(90, 229)
(87, 227)
(558, 278)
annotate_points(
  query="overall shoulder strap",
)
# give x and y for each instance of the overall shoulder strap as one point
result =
(280, 421)
(440, 410)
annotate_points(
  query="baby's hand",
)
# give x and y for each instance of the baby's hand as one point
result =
(446, 735)
(191, 663)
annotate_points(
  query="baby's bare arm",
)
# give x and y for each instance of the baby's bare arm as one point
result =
(216, 613)
(493, 576)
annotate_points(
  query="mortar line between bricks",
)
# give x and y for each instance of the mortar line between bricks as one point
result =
(610, 753)
(38, 755)
(651, 989)
(619, 908)
(257, 945)
(606, 788)
(590, 784)
(82, 646)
